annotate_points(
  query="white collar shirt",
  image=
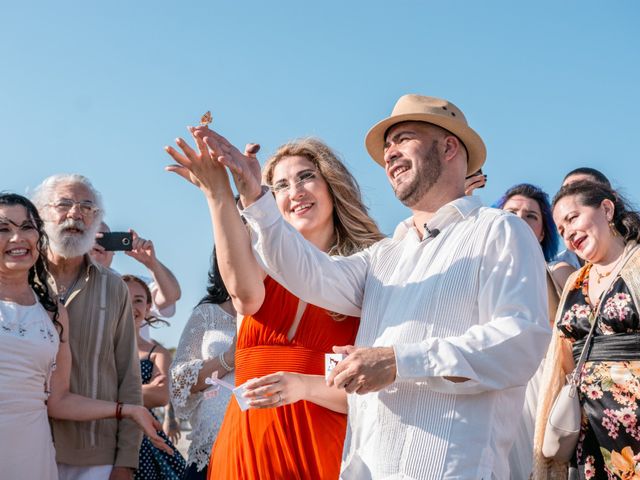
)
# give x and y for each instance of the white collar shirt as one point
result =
(468, 302)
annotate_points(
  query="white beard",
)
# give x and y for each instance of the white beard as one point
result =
(71, 245)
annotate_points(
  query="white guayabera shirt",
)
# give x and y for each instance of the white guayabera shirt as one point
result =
(471, 302)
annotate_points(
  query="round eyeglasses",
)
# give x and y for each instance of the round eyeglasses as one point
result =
(281, 186)
(64, 205)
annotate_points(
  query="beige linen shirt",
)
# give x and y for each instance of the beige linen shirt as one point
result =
(105, 366)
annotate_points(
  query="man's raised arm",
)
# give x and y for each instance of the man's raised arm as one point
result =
(335, 283)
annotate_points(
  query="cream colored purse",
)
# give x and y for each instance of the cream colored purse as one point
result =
(563, 425)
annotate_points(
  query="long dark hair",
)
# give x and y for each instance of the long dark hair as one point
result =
(39, 273)
(596, 175)
(551, 239)
(216, 290)
(626, 220)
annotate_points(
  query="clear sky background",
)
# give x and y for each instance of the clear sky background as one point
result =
(99, 88)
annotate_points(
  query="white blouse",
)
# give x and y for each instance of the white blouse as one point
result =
(471, 302)
(208, 333)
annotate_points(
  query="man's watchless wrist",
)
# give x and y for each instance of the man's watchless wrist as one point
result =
(241, 205)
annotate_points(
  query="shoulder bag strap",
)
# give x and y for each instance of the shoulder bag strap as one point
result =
(577, 372)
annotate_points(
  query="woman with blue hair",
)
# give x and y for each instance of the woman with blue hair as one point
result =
(532, 205)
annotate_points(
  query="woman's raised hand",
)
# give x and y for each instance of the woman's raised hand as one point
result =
(244, 167)
(199, 166)
(205, 167)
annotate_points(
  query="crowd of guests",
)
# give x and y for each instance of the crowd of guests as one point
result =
(455, 334)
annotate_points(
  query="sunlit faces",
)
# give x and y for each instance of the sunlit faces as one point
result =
(18, 239)
(71, 231)
(585, 230)
(527, 209)
(303, 197)
(139, 302)
(412, 161)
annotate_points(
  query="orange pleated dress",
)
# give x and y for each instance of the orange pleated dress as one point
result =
(296, 441)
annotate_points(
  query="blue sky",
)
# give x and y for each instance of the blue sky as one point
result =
(100, 88)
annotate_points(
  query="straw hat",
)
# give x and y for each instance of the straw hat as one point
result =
(431, 110)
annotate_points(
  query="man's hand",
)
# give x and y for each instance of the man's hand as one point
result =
(477, 180)
(142, 250)
(99, 254)
(201, 166)
(205, 166)
(364, 370)
(121, 473)
(244, 168)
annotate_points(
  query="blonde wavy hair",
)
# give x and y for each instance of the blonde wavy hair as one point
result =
(354, 228)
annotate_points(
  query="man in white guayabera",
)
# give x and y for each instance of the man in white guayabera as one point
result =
(453, 306)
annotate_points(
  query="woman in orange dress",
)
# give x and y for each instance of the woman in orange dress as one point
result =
(295, 425)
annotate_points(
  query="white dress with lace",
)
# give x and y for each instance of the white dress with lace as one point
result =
(28, 348)
(208, 333)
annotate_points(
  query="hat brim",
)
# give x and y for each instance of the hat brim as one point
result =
(476, 150)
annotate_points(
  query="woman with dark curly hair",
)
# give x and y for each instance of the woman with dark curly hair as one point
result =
(597, 225)
(35, 360)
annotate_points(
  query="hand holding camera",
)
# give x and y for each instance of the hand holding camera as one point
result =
(142, 250)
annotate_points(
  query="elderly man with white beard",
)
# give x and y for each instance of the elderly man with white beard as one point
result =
(101, 336)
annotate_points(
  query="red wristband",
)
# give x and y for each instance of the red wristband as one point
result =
(118, 410)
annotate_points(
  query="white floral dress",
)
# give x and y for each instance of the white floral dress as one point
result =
(208, 333)
(28, 348)
(609, 442)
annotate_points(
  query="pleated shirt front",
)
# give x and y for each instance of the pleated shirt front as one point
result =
(469, 302)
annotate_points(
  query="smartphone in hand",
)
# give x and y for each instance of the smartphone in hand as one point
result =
(115, 241)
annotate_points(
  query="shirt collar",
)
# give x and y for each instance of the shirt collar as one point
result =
(90, 262)
(457, 209)
(464, 205)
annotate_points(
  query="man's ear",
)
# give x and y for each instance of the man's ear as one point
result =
(452, 147)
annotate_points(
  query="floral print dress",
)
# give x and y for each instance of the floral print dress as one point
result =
(609, 442)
